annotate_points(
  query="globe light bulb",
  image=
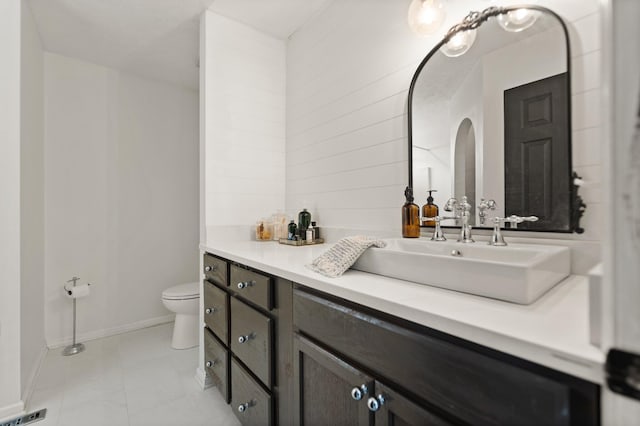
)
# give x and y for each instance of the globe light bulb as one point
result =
(426, 16)
(459, 44)
(518, 20)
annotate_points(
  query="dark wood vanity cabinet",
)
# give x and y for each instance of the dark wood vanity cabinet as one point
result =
(285, 354)
(248, 341)
(414, 375)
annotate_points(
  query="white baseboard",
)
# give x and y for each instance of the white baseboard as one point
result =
(11, 411)
(31, 381)
(203, 379)
(106, 332)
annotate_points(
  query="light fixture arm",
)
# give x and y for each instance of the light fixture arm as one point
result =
(473, 20)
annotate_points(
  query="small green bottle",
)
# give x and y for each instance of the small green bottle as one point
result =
(304, 220)
(292, 230)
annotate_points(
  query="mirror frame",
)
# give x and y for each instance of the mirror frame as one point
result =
(472, 21)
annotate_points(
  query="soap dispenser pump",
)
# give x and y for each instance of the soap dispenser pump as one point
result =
(429, 210)
(410, 216)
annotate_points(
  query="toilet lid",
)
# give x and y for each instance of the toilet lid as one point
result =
(182, 291)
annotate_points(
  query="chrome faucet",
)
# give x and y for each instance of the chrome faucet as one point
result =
(461, 210)
(438, 235)
(483, 207)
(496, 238)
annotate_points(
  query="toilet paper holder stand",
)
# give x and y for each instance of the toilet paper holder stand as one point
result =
(73, 348)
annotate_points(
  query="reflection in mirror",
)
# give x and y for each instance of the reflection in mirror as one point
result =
(464, 166)
(494, 122)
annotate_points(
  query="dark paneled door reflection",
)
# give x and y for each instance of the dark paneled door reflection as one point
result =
(537, 159)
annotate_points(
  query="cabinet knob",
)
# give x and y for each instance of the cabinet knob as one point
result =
(244, 339)
(209, 268)
(358, 392)
(374, 404)
(245, 284)
(209, 311)
(210, 364)
(243, 407)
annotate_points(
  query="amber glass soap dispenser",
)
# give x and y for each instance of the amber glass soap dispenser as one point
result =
(410, 216)
(429, 210)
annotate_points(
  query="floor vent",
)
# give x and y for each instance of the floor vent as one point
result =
(27, 418)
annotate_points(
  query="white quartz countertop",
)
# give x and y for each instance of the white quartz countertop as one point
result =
(553, 331)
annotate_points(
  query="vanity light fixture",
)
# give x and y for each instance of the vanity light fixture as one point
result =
(518, 20)
(460, 37)
(459, 43)
(426, 16)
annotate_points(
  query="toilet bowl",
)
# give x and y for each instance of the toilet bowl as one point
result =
(184, 300)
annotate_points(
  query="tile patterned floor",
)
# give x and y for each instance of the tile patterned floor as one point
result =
(133, 379)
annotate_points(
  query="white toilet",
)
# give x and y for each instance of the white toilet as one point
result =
(184, 300)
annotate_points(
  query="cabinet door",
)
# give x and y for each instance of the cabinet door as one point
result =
(328, 391)
(393, 409)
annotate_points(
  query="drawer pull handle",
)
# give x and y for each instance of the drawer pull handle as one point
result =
(358, 392)
(244, 407)
(244, 339)
(374, 404)
(245, 284)
(209, 311)
(210, 268)
(210, 364)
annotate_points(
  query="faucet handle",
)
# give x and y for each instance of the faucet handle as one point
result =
(438, 235)
(483, 207)
(519, 219)
(487, 204)
(497, 221)
(496, 238)
(451, 205)
(464, 204)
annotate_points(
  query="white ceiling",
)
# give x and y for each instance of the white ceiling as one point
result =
(157, 39)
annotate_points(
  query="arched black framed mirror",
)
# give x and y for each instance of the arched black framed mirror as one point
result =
(489, 117)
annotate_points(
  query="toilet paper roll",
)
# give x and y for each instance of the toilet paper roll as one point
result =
(77, 291)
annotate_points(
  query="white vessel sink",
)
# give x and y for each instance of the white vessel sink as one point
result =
(518, 273)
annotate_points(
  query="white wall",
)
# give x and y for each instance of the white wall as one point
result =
(31, 200)
(121, 195)
(348, 73)
(243, 122)
(10, 402)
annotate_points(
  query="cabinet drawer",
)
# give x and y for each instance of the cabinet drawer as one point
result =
(252, 339)
(216, 362)
(251, 403)
(216, 311)
(252, 286)
(469, 385)
(215, 270)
